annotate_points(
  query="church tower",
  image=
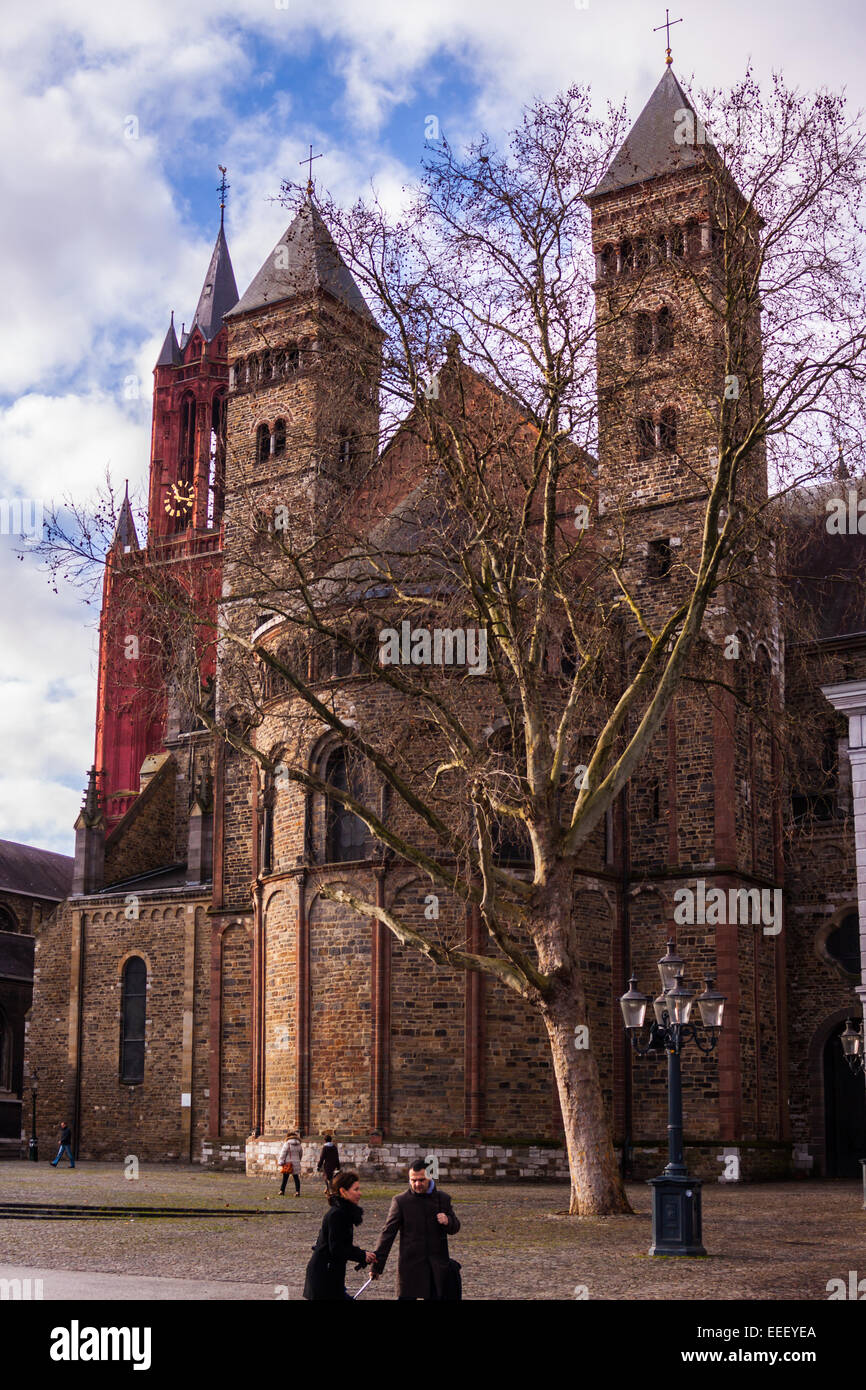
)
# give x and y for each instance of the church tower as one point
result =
(678, 380)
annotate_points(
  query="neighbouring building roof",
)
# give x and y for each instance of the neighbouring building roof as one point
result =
(219, 293)
(38, 873)
(304, 261)
(650, 148)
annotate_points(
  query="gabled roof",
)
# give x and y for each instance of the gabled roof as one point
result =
(125, 534)
(169, 355)
(37, 873)
(651, 148)
(219, 293)
(304, 261)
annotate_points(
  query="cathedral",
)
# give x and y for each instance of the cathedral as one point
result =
(194, 993)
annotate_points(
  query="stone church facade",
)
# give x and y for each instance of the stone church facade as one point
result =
(196, 995)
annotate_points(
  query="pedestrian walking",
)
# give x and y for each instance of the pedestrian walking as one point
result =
(290, 1162)
(329, 1162)
(65, 1146)
(424, 1218)
(326, 1270)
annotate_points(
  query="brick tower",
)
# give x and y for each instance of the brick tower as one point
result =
(704, 810)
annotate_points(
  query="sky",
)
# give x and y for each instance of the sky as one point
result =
(120, 114)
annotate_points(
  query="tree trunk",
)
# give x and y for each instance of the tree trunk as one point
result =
(596, 1185)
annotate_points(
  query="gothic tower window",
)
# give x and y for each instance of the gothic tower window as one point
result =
(641, 253)
(267, 366)
(293, 357)
(187, 440)
(662, 247)
(263, 443)
(668, 430)
(626, 257)
(643, 334)
(608, 261)
(693, 237)
(677, 241)
(347, 836)
(280, 437)
(133, 1011)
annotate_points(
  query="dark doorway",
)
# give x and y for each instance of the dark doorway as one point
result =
(844, 1112)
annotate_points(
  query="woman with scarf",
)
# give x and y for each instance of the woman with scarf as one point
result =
(326, 1271)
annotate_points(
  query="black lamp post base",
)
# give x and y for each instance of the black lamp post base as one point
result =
(676, 1216)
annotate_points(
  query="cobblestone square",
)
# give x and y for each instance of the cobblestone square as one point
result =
(764, 1241)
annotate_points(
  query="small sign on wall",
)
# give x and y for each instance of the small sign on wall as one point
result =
(185, 1100)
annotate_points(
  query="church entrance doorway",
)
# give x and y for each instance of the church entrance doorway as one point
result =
(844, 1112)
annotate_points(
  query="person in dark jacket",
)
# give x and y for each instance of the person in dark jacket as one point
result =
(424, 1218)
(65, 1146)
(329, 1162)
(326, 1271)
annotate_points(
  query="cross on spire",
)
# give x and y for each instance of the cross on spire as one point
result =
(667, 25)
(222, 191)
(309, 161)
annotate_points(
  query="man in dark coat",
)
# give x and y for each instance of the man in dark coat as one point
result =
(329, 1161)
(424, 1218)
(65, 1146)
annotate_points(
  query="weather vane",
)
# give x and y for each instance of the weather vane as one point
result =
(667, 25)
(309, 161)
(222, 191)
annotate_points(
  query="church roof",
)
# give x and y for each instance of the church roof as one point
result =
(219, 293)
(37, 873)
(170, 355)
(651, 148)
(304, 261)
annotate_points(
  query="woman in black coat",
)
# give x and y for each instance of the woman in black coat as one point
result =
(326, 1271)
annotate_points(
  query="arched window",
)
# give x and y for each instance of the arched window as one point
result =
(293, 357)
(643, 334)
(608, 261)
(843, 944)
(252, 369)
(263, 444)
(646, 436)
(664, 329)
(668, 430)
(280, 437)
(267, 367)
(8, 921)
(641, 253)
(693, 237)
(677, 241)
(186, 469)
(133, 1011)
(661, 245)
(266, 825)
(626, 257)
(347, 837)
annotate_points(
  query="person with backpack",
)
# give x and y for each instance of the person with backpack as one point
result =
(329, 1162)
(289, 1161)
(326, 1270)
(424, 1218)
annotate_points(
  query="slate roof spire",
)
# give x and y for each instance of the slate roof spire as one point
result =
(652, 146)
(219, 293)
(304, 261)
(125, 534)
(169, 355)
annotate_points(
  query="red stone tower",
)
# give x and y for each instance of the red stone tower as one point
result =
(185, 506)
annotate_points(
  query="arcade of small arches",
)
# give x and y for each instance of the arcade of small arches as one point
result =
(261, 368)
(633, 255)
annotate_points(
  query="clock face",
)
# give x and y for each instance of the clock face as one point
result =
(179, 499)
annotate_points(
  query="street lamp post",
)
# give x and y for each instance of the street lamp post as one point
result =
(852, 1050)
(33, 1146)
(676, 1196)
